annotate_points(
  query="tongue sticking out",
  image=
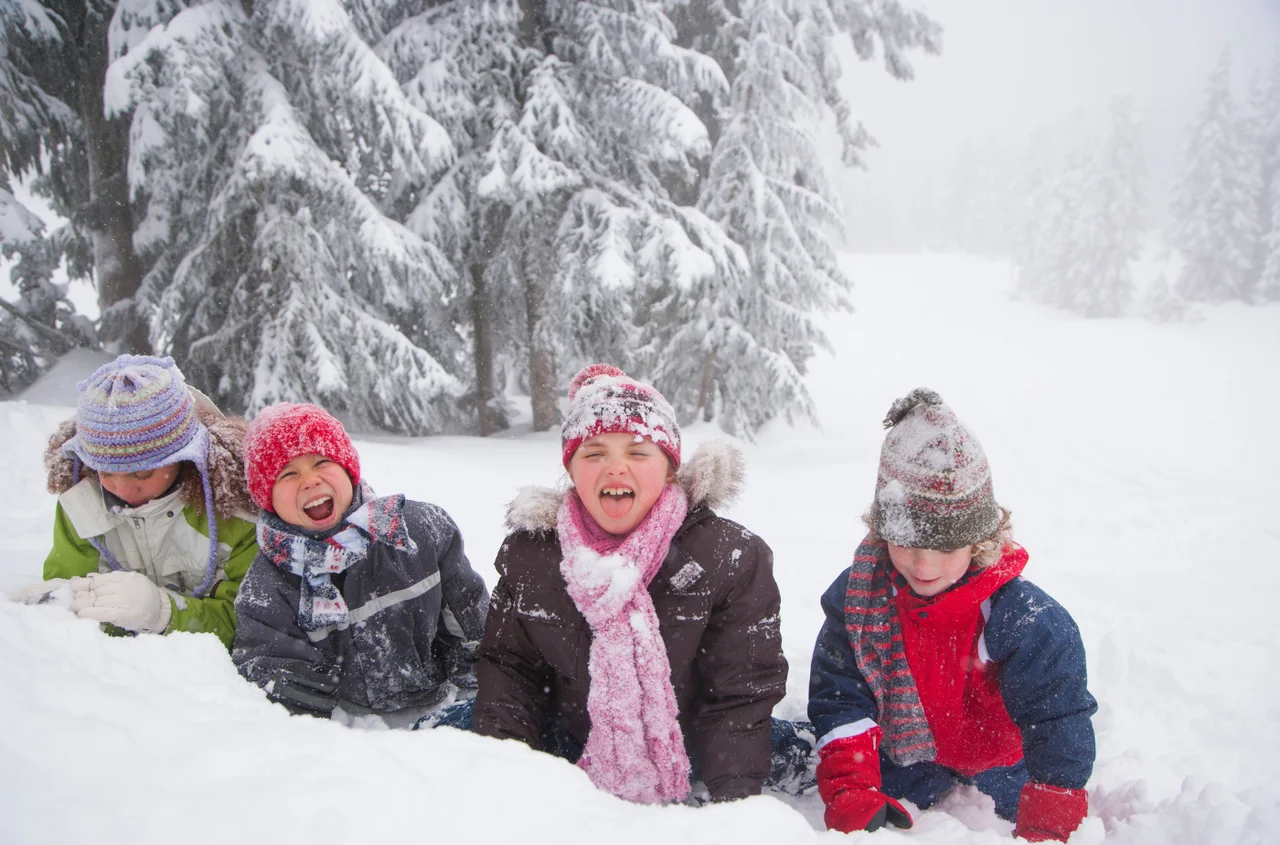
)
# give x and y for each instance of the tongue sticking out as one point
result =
(320, 512)
(616, 506)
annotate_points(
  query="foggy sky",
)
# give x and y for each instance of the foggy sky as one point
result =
(1008, 65)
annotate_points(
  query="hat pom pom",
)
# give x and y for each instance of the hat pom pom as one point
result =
(586, 374)
(901, 407)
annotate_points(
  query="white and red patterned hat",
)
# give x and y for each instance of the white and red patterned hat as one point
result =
(604, 400)
(933, 490)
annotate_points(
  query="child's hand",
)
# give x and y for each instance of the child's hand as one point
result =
(1049, 812)
(306, 690)
(127, 600)
(864, 809)
(849, 783)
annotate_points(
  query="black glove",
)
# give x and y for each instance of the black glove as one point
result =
(306, 690)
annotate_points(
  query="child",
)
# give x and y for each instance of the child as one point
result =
(631, 623)
(153, 528)
(364, 602)
(937, 662)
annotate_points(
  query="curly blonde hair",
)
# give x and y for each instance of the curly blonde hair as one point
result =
(985, 552)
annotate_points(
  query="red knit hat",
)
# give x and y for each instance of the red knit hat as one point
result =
(282, 432)
(604, 400)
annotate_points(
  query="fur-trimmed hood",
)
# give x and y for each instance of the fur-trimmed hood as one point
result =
(226, 466)
(712, 478)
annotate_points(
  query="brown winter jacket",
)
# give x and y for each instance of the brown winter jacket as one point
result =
(717, 605)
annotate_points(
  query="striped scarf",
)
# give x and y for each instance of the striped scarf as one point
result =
(316, 561)
(871, 618)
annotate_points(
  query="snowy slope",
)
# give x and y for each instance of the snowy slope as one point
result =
(1142, 468)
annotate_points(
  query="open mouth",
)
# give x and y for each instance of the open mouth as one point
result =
(319, 509)
(616, 501)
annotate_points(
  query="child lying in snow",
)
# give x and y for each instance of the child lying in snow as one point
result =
(153, 530)
(937, 662)
(364, 602)
(630, 622)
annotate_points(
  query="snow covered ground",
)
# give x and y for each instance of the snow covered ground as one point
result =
(1141, 463)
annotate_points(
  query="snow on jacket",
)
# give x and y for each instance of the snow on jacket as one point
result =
(167, 539)
(1000, 667)
(717, 606)
(415, 620)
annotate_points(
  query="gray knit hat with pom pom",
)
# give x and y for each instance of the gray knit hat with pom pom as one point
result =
(933, 490)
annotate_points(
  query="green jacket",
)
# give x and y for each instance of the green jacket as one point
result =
(164, 540)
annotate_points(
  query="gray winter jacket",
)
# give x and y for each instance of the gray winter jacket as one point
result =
(415, 621)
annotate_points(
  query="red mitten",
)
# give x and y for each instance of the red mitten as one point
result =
(849, 783)
(1049, 812)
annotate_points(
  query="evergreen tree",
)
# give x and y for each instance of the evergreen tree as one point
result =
(277, 159)
(574, 134)
(1268, 288)
(1265, 119)
(1109, 227)
(1214, 210)
(488, 191)
(53, 132)
(1030, 201)
(1161, 305)
(1054, 251)
(734, 346)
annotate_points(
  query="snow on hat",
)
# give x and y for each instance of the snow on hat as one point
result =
(137, 414)
(604, 400)
(933, 490)
(282, 432)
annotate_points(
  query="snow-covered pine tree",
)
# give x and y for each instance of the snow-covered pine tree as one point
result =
(572, 124)
(1265, 117)
(1031, 202)
(54, 135)
(1107, 233)
(458, 62)
(1268, 287)
(20, 343)
(1161, 305)
(1054, 270)
(277, 158)
(1214, 207)
(735, 348)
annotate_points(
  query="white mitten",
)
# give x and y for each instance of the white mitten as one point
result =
(125, 599)
(43, 593)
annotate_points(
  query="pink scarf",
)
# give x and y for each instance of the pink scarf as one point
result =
(635, 749)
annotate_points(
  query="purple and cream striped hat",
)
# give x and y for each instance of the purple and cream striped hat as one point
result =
(136, 414)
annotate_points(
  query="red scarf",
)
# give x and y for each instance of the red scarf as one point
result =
(875, 634)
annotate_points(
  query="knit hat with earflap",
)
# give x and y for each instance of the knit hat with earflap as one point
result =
(604, 400)
(136, 414)
(282, 432)
(933, 490)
